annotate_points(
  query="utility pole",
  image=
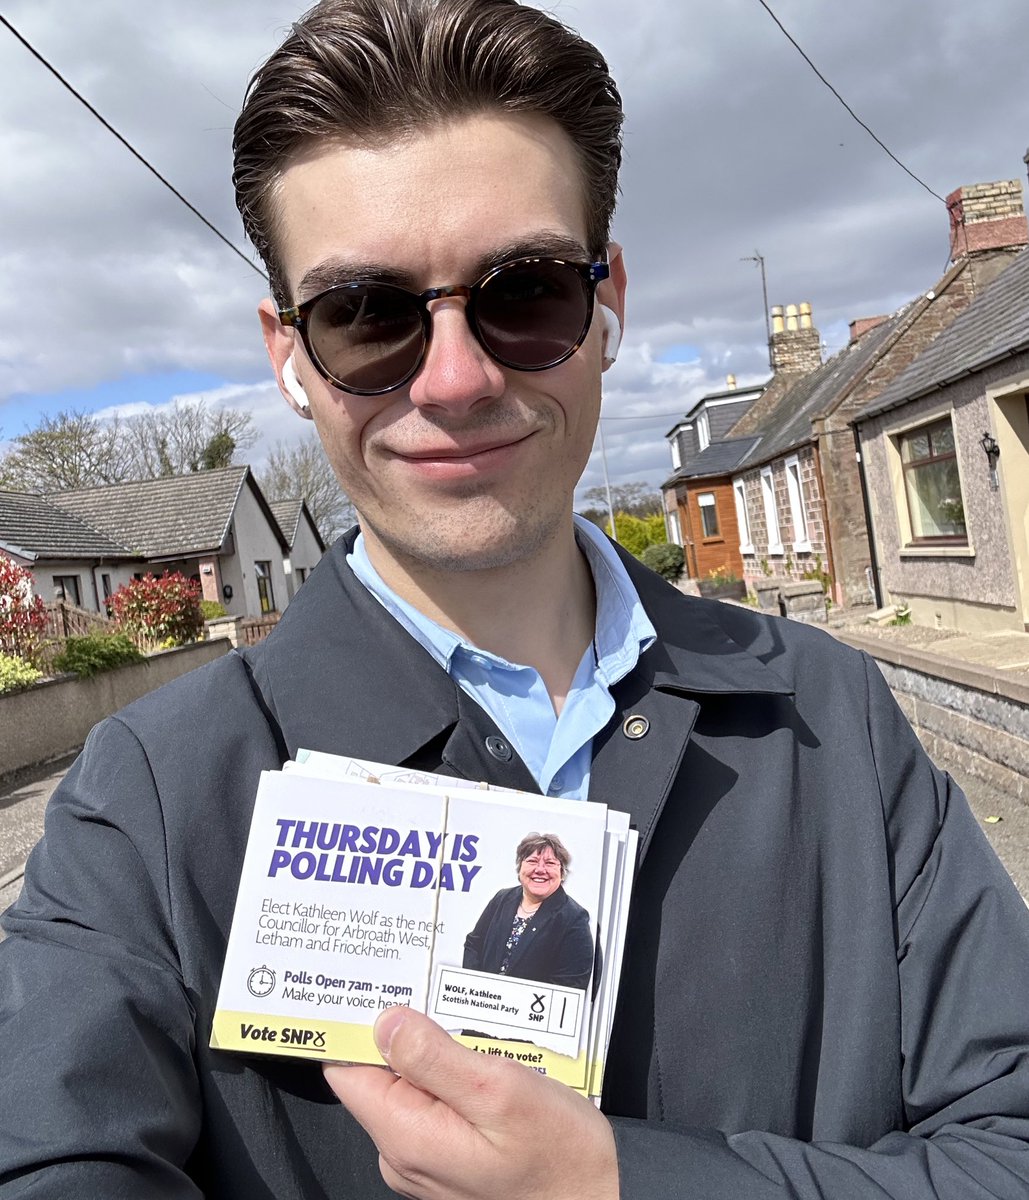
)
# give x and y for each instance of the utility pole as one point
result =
(607, 479)
(758, 258)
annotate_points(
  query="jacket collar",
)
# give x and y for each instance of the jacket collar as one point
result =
(339, 674)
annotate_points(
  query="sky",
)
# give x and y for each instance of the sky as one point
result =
(115, 297)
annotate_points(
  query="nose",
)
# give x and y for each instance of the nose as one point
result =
(457, 373)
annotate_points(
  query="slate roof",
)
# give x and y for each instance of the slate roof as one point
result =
(788, 425)
(169, 517)
(994, 326)
(35, 528)
(287, 513)
(718, 458)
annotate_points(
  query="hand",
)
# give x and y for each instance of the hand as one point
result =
(453, 1124)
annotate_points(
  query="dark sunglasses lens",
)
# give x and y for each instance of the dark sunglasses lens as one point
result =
(531, 315)
(368, 337)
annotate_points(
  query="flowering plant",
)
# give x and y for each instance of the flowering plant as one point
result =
(155, 610)
(22, 613)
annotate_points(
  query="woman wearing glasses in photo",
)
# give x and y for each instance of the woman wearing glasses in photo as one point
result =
(535, 930)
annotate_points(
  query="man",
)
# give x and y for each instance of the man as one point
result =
(824, 989)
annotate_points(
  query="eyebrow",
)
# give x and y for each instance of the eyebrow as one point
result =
(339, 270)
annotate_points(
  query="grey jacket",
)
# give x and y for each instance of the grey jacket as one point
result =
(826, 983)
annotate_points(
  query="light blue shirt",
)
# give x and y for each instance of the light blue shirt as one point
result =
(556, 749)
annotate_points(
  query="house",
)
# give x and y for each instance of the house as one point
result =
(801, 507)
(702, 520)
(214, 526)
(946, 456)
(68, 558)
(305, 542)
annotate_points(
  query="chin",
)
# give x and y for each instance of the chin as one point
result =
(474, 541)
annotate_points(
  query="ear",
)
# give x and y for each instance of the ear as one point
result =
(611, 294)
(281, 342)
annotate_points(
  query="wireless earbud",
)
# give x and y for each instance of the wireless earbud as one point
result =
(293, 385)
(614, 333)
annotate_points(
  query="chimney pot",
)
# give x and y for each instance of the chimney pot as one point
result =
(730, 382)
(777, 325)
(791, 318)
(805, 315)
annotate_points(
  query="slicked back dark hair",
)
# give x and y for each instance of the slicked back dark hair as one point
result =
(371, 72)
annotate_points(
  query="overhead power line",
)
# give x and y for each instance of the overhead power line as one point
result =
(877, 140)
(132, 150)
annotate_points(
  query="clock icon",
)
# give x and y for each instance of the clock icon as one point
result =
(261, 981)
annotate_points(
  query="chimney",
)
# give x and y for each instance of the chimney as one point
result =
(862, 325)
(730, 383)
(986, 216)
(796, 344)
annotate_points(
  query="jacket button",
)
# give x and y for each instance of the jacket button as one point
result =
(635, 727)
(500, 750)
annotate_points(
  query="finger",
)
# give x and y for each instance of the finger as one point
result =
(476, 1086)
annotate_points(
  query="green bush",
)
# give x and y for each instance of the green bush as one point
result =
(212, 609)
(96, 652)
(16, 673)
(635, 534)
(159, 612)
(666, 558)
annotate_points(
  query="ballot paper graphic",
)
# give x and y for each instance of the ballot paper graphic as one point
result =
(364, 886)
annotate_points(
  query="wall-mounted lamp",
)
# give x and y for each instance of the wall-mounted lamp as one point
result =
(992, 452)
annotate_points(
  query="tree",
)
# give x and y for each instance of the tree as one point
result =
(69, 450)
(185, 438)
(638, 499)
(301, 469)
(77, 449)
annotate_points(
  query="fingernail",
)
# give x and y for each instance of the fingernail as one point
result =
(386, 1026)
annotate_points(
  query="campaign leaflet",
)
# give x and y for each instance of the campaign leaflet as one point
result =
(358, 895)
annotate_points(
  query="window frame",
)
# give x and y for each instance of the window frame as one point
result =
(265, 591)
(798, 512)
(908, 469)
(708, 501)
(739, 494)
(61, 591)
(771, 511)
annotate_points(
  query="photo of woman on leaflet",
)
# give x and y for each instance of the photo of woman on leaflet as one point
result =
(535, 930)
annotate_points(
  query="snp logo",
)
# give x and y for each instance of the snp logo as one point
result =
(309, 1039)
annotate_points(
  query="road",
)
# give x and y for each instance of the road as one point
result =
(1004, 820)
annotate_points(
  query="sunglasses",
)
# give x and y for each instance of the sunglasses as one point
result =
(368, 338)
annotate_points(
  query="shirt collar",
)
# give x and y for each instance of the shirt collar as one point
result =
(623, 630)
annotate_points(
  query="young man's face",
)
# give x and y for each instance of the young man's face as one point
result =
(469, 465)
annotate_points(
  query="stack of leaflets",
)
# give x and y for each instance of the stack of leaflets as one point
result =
(366, 886)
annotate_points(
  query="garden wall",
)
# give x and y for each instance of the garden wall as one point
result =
(50, 720)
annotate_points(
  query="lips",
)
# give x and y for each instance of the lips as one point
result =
(460, 453)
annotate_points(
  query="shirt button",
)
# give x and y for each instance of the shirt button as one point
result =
(500, 750)
(478, 660)
(556, 784)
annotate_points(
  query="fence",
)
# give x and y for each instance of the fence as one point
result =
(63, 621)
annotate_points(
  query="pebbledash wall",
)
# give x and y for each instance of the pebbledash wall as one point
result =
(974, 718)
(51, 720)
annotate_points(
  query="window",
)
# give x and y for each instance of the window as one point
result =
(801, 538)
(300, 573)
(932, 484)
(676, 456)
(742, 519)
(771, 513)
(703, 431)
(105, 581)
(66, 588)
(708, 514)
(263, 571)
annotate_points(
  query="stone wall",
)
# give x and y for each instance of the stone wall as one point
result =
(51, 719)
(975, 718)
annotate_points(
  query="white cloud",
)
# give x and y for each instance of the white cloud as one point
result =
(732, 144)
